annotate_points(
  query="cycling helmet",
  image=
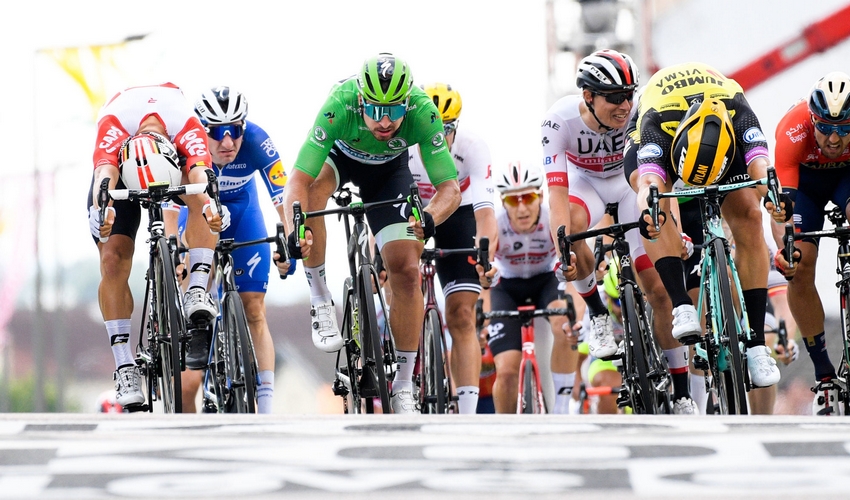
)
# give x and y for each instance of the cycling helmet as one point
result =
(221, 105)
(446, 99)
(610, 281)
(147, 158)
(829, 100)
(385, 79)
(518, 177)
(607, 71)
(107, 403)
(704, 144)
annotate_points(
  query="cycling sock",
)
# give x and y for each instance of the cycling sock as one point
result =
(317, 282)
(563, 383)
(201, 262)
(671, 270)
(265, 391)
(698, 393)
(820, 357)
(677, 363)
(118, 331)
(467, 399)
(586, 287)
(404, 376)
(756, 302)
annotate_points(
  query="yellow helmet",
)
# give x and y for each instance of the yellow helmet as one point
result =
(446, 99)
(704, 144)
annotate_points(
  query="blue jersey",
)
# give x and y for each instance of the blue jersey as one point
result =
(257, 154)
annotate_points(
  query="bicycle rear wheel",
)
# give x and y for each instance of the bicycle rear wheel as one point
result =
(171, 328)
(433, 397)
(640, 388)
(374, 373)
(348, 369)
(240, 362)
(843, 370)
(735, 390)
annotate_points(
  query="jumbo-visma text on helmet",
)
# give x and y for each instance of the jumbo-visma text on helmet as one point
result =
(221, 105)
(830, 98)
(385, 79)
(518, 177)
(607, 71)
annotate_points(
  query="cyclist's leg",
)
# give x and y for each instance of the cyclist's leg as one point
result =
(190, 382)
(505, 342)
(564, 358)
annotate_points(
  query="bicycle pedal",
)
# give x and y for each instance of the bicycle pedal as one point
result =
(136, 407)
(339, 388)
(690, 339)
(700, 363)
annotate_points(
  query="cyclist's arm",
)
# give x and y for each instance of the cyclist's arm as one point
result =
(445, 201)
(559, 210)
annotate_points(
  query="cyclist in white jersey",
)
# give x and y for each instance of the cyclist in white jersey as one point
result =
(524, 259)
(583, 139)
(473, 219)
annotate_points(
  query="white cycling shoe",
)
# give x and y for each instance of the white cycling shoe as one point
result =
(686, 327)
(763, 369)
(601, 343)
(326, 336)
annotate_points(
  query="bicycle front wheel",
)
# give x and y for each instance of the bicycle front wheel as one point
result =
(640, 388)
(171, 327)
(734, 388)
(373, 343)
(528, 400)
(241, 364)
(433, 395)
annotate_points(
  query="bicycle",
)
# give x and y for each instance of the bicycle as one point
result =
(366, 364)
(841, 233)
(163, 331)
(530, 392)
(646, 381)
(231, 380)
(432, 375)
(721, 350)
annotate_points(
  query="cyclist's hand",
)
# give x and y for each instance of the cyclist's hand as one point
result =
(421, 233)
(225, 217)
(782, 264)
(568, 274)
(572, 335)
(786, 208)
(787, 356)
(287, 267)
(306, 243)
(647, 229)
(488, 279)
(214, 221)
(687, 247)
(101, 232)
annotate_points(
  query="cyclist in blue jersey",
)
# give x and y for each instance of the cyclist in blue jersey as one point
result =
(239, 149)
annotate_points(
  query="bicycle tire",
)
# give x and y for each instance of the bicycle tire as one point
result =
(843, 370)
(736, 394)
(170, 316)
(372, 359)
(528, 396)
(643, 400)
(434, 384)
(240, 362)
(349, 371)
(659, 372)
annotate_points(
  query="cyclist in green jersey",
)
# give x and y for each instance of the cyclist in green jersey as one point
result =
(361, 135)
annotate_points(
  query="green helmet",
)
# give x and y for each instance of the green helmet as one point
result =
(385, 79)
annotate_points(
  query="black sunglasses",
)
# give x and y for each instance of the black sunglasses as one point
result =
(618, 97)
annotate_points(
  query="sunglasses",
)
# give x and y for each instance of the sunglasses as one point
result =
(618, 97)
(514, 200)
(828, 128)
(449, 127)
(378, 111)
(217, 132)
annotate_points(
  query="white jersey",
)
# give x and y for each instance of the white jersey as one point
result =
(569, 142)
(523, 255)
(472, 159)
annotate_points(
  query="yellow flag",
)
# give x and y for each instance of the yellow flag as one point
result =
(88, 66)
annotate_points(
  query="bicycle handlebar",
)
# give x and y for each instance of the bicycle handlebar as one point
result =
(103, 202)
(157, 192)
(416, 204)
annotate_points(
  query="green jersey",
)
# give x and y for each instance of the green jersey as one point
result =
(340, 123)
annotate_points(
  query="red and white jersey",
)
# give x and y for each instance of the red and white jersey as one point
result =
(472, 160)
(121, 117)
(570, 145)
(523, 255)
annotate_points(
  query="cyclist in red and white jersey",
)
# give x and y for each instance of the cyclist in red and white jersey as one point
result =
(583, 139)
(473, 219)
(524, 259)
(159, 121)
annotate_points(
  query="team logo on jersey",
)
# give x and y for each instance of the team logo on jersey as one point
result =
(550, 124)
(433, 117)
(438, 140)
(648, 151)
(194, 143)
(754, 134)
(319, 134)
(517, 245)
(268, 147)
(330, 116)
(112, 139)
(397, 143)
(545, 141)
(549, 159)
(276, 174)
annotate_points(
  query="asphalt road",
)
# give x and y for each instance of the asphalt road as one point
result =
(384, 456)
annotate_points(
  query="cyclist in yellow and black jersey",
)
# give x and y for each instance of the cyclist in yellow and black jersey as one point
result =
(695, 124)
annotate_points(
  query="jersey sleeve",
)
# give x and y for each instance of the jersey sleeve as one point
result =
(327, 128)
(436, 156)
(480, 176)
(191, 142)
(653, 154)
(748, 133)
(110, 136)
(555, 144)
(267, 160)
(792, 141)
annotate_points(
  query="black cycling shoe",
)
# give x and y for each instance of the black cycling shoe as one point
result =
(198, 348)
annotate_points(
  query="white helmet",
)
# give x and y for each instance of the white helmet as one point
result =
(829, 99)
(146, 158)
(221, 105)
(518, 177)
